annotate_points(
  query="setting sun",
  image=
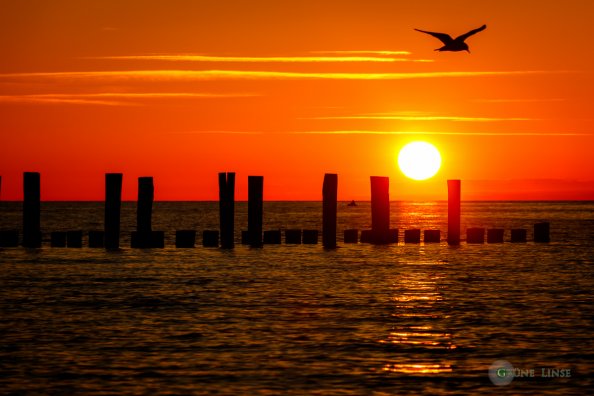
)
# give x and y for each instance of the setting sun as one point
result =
(419, 160)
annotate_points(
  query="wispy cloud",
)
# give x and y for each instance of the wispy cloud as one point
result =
(362, 52)
(113, 99)
(395, 133)
(263, 59)
(418, 117)
(519, 100)
(260, 75)
(389, 133)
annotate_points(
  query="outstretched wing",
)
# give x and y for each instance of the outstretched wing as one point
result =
(466, 35)
(444, 38)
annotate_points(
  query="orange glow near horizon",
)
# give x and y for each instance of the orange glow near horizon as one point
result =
(291, 90)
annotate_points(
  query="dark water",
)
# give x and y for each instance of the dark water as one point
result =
(362, 319)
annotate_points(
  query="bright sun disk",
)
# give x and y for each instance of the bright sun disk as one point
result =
(419, 160)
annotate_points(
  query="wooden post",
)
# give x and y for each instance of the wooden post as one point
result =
(185, 238)
(380, 209)
(32, 210)
(475, 235)
(518, 235)
(454, 195)
(272, 237)
(412, 236)
(293, 236)
(542, 232)
(431, 236)
(227, 208)
(310, 237)
(329, 196)
(58, 239)
(351, 235)
(113, 204)
(74, 239)
(255, 209)
(96, 239)
(495, 235)
(144, 210)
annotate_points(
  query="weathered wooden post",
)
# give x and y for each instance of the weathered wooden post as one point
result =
(58, 239)
(351, 235)
(518, 235)
(495, 235)
(380, 209)
(329, 196)
(454, 194)
(74, 239)
(210, 238)
(185, 238)
(113, 204)
(227, 209)
(9, 238)
(272, 237)
(475, 235)
(32, 210)
(431, 236)
(96, 239)
(310, 237)
(142, 238)
(255, 209)
(412, 236)
(293, 236)
(542, 232)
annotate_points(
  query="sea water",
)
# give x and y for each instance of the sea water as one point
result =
(299, 319)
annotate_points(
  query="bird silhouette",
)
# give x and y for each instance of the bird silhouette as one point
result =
(451, 44)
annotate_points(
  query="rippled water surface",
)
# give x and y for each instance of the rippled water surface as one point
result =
(298, 319)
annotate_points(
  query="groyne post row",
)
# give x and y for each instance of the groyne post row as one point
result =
(145, 237)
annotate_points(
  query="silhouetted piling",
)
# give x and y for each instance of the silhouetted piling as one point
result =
(495, 235)
(32, 210)
(475, 235)
(210, 238)
(255, 209)
(58, 239)
(272, 237)
(144, 213)
(245, 237)
(393, 235)
(227, 209)
(542, 232)
(431, 236)
(380, 209)
(518, 235)
(185, 238)
(310, 237)
(351, 236)
(9, 238)
(113, 204)
(412, 236)
(74, 239)
(329, 195)
(454, 197)
(366, 236)
(96, 239)
(147, 240)
(293, 236)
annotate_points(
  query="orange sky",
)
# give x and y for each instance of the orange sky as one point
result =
(181, 90)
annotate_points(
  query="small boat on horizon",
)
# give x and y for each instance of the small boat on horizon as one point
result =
(352, 203)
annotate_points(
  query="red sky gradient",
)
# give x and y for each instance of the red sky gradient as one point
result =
(181, 90)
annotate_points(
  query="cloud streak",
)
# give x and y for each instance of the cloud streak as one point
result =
(265, 59)
(189, 75)
(391, 133)
(113, 99)
(395, 133)
(421, 117)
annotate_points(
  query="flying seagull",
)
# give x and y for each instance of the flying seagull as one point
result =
(451, 44)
